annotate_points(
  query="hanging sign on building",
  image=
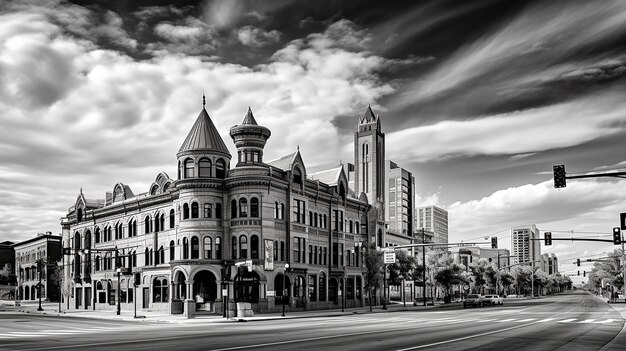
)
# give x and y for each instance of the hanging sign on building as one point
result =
(269, 255)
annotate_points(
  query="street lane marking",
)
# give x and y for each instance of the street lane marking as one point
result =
(525, 320)
(569, 320)
(545, 320)
(605, 321)
(505, 320)
(587, 321)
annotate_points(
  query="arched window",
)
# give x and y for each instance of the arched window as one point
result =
(357, 228)
(146, 224)
(172, 252)
(159, 290)
(243, 207)
(161, 254)
(185, 248)
(282, 210)
(97, 263)
(79, 214)
(218, 210)
(276, 210)
(233, 209)
(297, 176)
(204, 168)
(188, 168)
(185, 211)
(351, 227)
(234, 248)
(254, 207)
(179, 170)
(243, 247)
(154, 189)
(162, 221)
(218, 248)
(157, 227)
(195, 247)
(208, 247)
(254, 247)
(208, 210)
(146, 257)
(166, 186)
(97, 238)
(311, 288)
(132, 228)
(194, 210)
(172, 219)
(220, 169)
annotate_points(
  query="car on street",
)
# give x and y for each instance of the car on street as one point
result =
(474, 300)
(493, 300)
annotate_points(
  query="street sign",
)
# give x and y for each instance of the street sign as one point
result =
(271, 293)
(390, 257)
(622, 221)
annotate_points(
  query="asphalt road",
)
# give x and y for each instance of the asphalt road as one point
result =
(576, 321)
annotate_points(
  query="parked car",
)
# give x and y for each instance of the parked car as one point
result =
(493, 300)
(474, 300)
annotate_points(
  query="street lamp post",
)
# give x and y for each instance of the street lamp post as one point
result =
(119, 286)
(284, 292)
(424, 263)
(385, 289)
(39, 268)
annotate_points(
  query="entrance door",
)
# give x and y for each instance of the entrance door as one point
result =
(146, 297)
(87, 297)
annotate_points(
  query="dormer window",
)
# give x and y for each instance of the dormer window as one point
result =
(204, 168)
(220, 169)
(297, 176)
(189, 168)
(79, 214)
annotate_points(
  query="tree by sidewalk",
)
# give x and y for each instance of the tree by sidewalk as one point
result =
(373, 276)
(402, 269)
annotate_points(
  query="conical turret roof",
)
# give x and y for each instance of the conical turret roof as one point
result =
(203, 136)
(249, 119)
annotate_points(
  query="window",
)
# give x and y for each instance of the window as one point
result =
(243, 247)
(243, 207)
(118, 231)
(276, 250)
(282, 211)
(204, 168)
(357, 228)
(172, 252)
(218, 210)
(282, 250)
(178, 169)
(154, 189)
(208, 209)
(254, 207)
(159, 290)
(132, 228)
(185, 248)
(299, 211)
(322, 286)
(341, 255)
(254, 247)
(276, 210)
(311, 288)
(335, 254)
(218, 248)
(297, 176)
(234, 248)
(311, 221)
(310, 254)
(146, 224)
(185, 211)
(208, 246)
(146, 257)
(195, 247)
(172, 219)
(220, 169)
(189, 168)
(97, 235)
(233, 209)
(156, 223)
(194, 210)
(298, 249)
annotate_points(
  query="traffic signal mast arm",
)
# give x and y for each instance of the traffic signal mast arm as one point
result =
(560, 176)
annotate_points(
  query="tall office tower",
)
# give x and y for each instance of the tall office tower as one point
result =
(434, 219)
(400, 196)
(524, 245)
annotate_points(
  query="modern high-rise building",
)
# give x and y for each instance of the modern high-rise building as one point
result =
(434, 219)
(400, 196)
(524, 244)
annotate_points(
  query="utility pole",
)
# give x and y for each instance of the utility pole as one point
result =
(424, 263)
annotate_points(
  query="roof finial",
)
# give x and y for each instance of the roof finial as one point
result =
(298, 147)
(81, 190)
(203, 100)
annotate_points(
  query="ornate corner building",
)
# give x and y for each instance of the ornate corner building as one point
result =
(262, 232)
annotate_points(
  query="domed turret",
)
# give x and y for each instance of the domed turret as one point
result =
(250, 139)
(203, 154)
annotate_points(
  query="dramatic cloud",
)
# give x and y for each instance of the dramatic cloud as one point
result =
(256, 37)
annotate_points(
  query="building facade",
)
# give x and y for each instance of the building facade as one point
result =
(261, 232)
(434, 219)
(471, 254)
(400, 199)
(549, 263)
(36, 262)
(525, 245)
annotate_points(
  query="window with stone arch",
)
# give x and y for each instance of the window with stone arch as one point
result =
(218, 248)
(204, 168)
(234, 248)
(243, 207)
(194, 210)
(172, 250)
(208, 247)
(220, 169)
(189, 168)
(195, 247)
(172, 219)
(243, 247)
(254, 207)
(254, 247)
(185, 211)
(185, 248)
(208, 210)
(233, 208)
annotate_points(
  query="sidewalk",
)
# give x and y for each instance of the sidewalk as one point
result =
(163, 317)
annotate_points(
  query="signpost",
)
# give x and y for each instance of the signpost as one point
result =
(390, 257)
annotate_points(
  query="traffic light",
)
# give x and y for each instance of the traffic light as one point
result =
(547, 236)
(617, 236)
(578, 261)
(494, 242)
(66, 251)
(559, 176)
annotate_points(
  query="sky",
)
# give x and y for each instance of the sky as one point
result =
(478, 99)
